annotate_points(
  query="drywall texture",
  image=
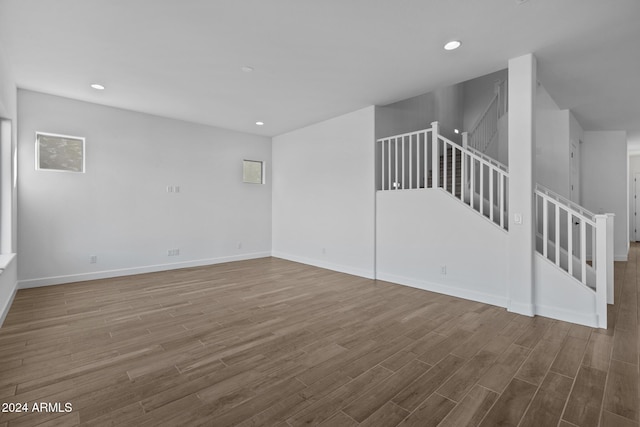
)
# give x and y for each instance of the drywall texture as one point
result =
(120, 210)
(323, 194)
(604, 182)
(428, 240)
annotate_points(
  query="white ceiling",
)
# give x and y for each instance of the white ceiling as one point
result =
(316, 59)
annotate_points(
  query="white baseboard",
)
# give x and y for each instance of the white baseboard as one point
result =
(519, 308)
(590, 320)
(445, 289)
(368, 274)
(81, 277)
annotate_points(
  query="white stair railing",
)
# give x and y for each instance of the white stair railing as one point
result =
(426, 159)
(483, 156)
(405, 160)
(578, 242)
(486, 127)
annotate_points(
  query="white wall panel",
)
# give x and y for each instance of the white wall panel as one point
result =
(429, 240)
(323, 194)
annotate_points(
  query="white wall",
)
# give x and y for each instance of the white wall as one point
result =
(444, 105)
(421, 231)
(560, 296)
(498, 147)
(605, 181)
(477, 94)
(409, 115)
(323, 194)
(576, 136)
(552, 161)
(119, 210)
(8, 112)
(450, 110)
(502, 140)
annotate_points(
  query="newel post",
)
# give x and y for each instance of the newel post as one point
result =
(465, 179)
(602, 265)
(435, 158)
(610, 281)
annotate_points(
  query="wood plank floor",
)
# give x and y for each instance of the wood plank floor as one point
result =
(272, 342)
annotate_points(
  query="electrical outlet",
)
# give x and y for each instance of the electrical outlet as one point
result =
(169, 188)
(173, 252)
(239, 245)
(517, 218)
(443, 269)
(324, 251)
(93, 259)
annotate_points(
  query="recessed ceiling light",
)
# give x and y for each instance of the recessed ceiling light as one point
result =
(452, 45)
(97, 86)
(456, 131)
(260, 123)
(247, 69)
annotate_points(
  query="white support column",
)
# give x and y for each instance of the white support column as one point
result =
(521, 99)
(610, 281)
(463, 164)
(601, 269)
(435, 157)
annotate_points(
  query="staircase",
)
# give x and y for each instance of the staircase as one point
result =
(577, 242)
(486, 128)
(450, 173)
(408, 162)
(574, 247)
